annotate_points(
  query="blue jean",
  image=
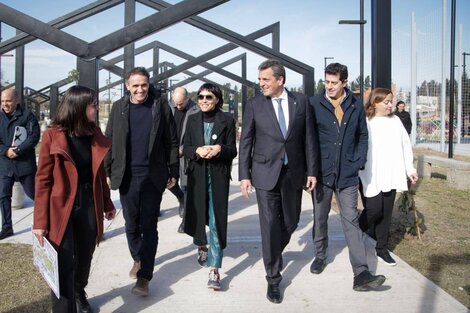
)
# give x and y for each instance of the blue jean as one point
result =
(215, 253)
(6, 187)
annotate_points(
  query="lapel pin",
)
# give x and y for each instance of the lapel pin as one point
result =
(214, 136)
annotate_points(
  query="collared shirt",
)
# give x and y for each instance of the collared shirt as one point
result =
(285, 107)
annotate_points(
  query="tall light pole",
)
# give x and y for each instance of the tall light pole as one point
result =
(327, 58)
(361, 23)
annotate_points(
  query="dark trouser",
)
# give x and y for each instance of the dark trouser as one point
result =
(346, 199)
(76, 251)
(378, 212)
(6, 187)
(279, 213)
(178, 192)
(141, 206)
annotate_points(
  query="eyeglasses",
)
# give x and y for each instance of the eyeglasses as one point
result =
(208, 97)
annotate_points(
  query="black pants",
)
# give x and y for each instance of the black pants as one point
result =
(178, 192)
(6, 188)
(141, 206)
(279, 213)
(378, 214)
(76, 251)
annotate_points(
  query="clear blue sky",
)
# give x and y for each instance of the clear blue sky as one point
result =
(309, 32)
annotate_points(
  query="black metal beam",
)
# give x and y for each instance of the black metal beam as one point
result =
(129, 50)
(61, 22)
(149, 25)
(231, 36)
(229, 47)
(43, 31)
(210, 55)
(381, 43)
(54, 100)
(214, 68)
(19, 72)
(88, 73)
(239, 79)
(116, 70)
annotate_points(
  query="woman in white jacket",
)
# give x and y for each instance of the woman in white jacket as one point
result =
(389, 163)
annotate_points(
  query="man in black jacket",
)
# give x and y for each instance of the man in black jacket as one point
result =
(19, 135)
(404, 116)
(143, 161)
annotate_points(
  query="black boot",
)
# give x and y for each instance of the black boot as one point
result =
(83, 306)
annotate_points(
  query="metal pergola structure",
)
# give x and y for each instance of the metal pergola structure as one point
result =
(90, 54)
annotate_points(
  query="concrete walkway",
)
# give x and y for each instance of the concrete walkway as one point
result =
(179, 284)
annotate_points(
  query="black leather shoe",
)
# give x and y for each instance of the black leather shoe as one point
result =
(83, 306)
(366, 281)
(274, 294)
(5, 233)
(318, 265)
(385, 257)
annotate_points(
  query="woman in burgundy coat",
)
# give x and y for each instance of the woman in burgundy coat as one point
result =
(72, 195)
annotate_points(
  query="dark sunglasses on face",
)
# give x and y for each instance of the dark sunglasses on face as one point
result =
(208, 97)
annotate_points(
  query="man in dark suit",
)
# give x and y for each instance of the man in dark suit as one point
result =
(278, 156)
(143, 161)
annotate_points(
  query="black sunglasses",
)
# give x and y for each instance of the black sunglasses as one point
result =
(208, 97)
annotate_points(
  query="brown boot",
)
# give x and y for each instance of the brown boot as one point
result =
(141, 287)
(135, 268)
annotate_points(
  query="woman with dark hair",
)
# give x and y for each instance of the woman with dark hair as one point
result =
(389, 163)
(71, 194)
(209, 145)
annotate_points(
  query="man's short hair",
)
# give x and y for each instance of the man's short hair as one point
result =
(138, 71)
(276, 66)
(337, 68)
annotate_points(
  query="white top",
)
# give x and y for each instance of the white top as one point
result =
(389, 157)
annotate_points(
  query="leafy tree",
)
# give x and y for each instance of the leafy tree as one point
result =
(367, 83)
(320, 86)
(73, 76)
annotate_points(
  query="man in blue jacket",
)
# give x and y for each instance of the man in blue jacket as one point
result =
(342, 133)
(19, 135)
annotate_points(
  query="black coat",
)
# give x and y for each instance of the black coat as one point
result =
(405, 120)
(163, 142)
(25, 162)
(223, 134)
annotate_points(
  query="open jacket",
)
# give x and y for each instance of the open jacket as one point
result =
(262, 145)
(57, 183)
(343, 150)
(220, 167)
(25, 162)
(163, 142)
